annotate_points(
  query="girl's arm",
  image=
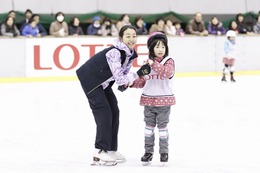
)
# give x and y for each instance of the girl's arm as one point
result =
(226, 47)
(166, 70)
(139, 83)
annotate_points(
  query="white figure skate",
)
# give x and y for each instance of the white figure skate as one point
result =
(117, 156)
(101, 157)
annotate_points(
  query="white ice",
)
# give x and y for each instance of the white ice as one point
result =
(48, 127)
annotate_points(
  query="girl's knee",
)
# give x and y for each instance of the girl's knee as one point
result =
(163, 133)
(148, 131)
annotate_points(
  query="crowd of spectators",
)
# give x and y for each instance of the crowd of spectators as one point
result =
(31, 26)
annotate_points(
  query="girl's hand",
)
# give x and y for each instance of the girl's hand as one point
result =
(150, 62)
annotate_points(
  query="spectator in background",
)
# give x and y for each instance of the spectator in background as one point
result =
(250, 21)
(41, 30)
(108, 28)
(95, 27)
(31, 29)
(256, 27)
(242, 28)
(140, 26)
(240, 24)
(158, 26)
(123, 20)
(233, 26)
(215, 27)
(59, 28)
(8, 28)
(27, 14)
(12, 14)
(74, 27)
(196, 26)
(169, 28)
(179, 30)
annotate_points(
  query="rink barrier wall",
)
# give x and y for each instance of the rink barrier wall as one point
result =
(54, 59)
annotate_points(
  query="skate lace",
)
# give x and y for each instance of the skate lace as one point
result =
(100, 151)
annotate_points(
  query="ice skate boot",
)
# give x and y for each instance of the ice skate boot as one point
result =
(117, 156)
(164, 158)
(232, 79)
(224, 79)
(147, 157)
(102, 157)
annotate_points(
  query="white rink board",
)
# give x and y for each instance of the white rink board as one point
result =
(59, 57)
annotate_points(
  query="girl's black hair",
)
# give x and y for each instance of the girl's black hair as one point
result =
(137, 19)
(34, 15)
(28, 11)
(72, 20)
(154, 43)
(57, 14)
(107, 19)
(31, 20)
(7, 27)
(238, 15)
(122, 17)
(122, 30)
(159, 19)
(230, 24)
(11, 11)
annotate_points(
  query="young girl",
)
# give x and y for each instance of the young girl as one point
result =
(229, 59)
(157, 97)
(97, 76)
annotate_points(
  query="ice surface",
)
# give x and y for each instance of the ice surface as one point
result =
(47, 127)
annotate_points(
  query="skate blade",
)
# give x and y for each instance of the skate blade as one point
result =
(163, 164)
(98, 162)
(103, 163)
(120, 160)
(146, 163)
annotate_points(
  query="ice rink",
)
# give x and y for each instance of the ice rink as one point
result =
(47, 127)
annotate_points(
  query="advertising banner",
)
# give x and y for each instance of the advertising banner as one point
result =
(63, 56)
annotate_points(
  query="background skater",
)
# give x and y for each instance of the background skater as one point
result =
(229, 59)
